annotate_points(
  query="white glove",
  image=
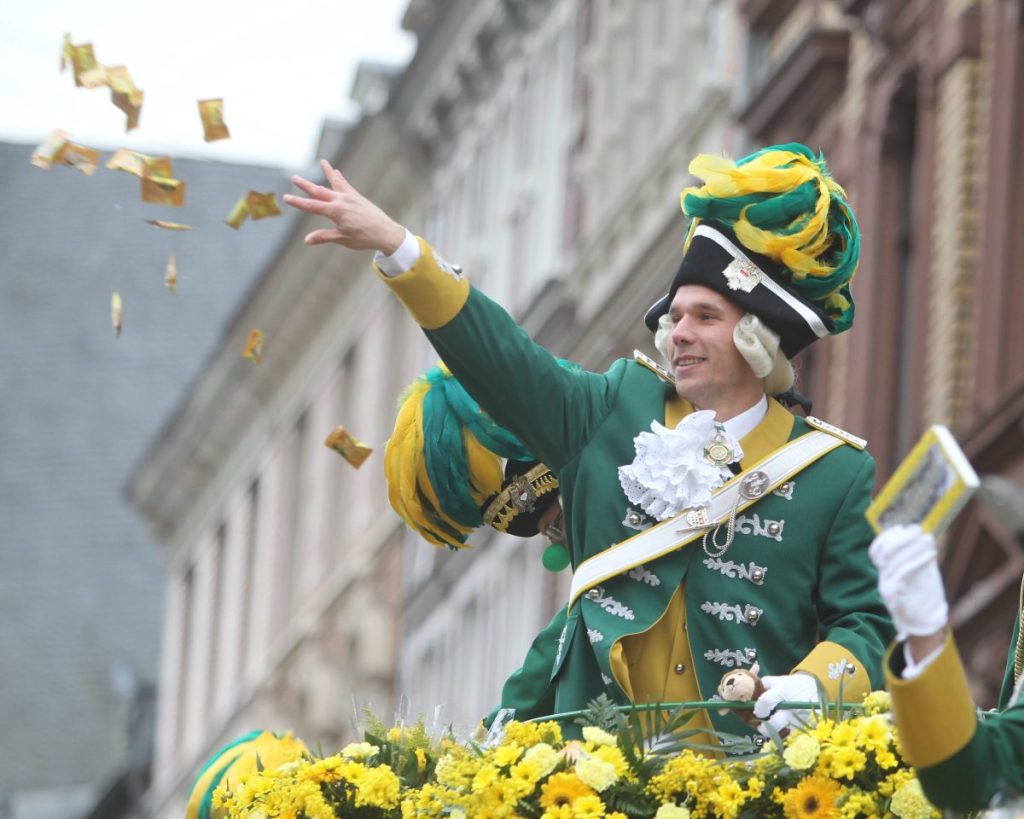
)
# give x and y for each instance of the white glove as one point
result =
(909, 580)
(797, 687)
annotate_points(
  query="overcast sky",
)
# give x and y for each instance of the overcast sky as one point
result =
(281, 68)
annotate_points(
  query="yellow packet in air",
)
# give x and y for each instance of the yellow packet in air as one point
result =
(127, 161)
(50, 149)
(239, 213)
(125, 95)
(342, 442)
(80, 158)
(211, 112)
(262, 205)
(253, 349)
(116, 312)
(158, 183)
(80, 57)
(161, 223)
(171, 274)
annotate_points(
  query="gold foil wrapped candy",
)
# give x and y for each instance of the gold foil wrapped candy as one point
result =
(115, 313)
(58, 149)
(171, 274)
(79, 57)
(158, 183)
(161, 223)
(253, 205)
(211, 112)
(125, 95)
(127, 161)
(342, 442)
(254, 346)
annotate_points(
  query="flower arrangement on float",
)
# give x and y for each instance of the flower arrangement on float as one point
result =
(845, 763)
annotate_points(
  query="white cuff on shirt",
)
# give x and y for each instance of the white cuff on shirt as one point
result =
(405, 257)
(914, 669)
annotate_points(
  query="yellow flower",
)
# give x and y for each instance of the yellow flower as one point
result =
(755, 787)
(813, 798)
(858, 803)
(531, 733)
(877, 702)
(801, 751)
(358, 750)
(378, 787)
(672, 812)
(592, 733)
(563, 789)
(909, 802)
(892, 782)
(558, 812)
(613, 756)
(421, 760)
(845, 763)
(505, 755)
(543, 757)
(596, 773)
(588, 807)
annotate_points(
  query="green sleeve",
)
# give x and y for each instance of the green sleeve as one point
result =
(990, 764)
(850, 611)
(552, 409)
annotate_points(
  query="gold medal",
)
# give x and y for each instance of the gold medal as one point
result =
(718, 452)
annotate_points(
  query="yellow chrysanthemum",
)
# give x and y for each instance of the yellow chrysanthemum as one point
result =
(846, 762)
(877, 702)
(378, 788)
(527, 734)
(858, 803)
(358, 750)
(891, 783)
(596, 773)
(814, 797)
(909, 802)
(597, 736)
(563, 789)
(543, 757)
(505, 755)
(801, 751)
(588, 807)
(614, 757)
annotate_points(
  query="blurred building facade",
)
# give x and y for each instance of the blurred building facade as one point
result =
(542, 145)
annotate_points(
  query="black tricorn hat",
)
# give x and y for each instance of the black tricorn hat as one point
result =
(756, 283)
(526, 494)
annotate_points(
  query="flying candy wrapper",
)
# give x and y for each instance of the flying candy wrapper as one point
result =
(160, 223)
(254, 346)
(158, 183)
(211, 112)
(127, 161)
(58, 149)
(253, 205)
(348, 447)
(80, 57)
(115, 313)
(171, 274)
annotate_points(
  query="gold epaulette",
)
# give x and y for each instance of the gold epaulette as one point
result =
(652, 365)
(842, 434)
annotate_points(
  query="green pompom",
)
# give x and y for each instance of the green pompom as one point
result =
(555, 557)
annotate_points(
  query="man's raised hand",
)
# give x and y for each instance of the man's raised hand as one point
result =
(358, 223)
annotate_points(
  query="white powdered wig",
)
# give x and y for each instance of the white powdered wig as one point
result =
(757, 343)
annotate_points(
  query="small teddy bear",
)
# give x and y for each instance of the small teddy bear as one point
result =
(741, 685)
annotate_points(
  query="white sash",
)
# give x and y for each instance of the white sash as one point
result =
(747, 488)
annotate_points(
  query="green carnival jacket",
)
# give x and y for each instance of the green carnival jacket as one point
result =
(962, 762)
(795, 589)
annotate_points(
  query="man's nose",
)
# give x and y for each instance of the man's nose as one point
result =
(682, 333)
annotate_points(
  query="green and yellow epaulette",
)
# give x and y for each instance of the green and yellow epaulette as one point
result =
(646, 361)
(842, 434)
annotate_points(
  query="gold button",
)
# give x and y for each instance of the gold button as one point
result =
(680, 668)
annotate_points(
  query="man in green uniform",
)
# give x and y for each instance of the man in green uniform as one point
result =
(684, 569)
(962, 762)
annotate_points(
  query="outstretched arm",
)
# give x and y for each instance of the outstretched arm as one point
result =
(358, 223)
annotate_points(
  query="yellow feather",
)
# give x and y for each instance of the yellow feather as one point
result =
(485, 470)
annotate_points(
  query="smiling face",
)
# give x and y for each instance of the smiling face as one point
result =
(709, 370)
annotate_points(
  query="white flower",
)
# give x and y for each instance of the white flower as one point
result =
(670, 472)
(358, 750)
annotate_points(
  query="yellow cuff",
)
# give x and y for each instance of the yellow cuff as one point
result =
(833, 665)
(934, 711)
(432, 290)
